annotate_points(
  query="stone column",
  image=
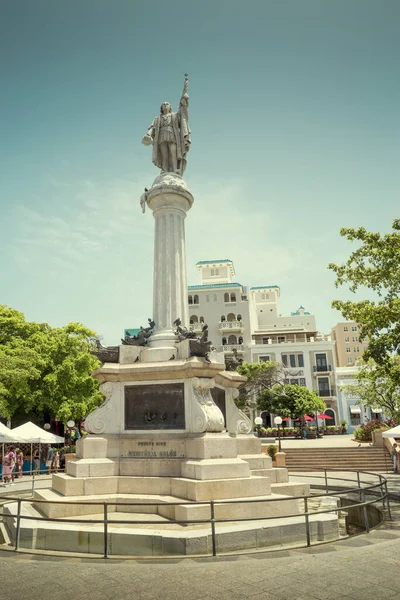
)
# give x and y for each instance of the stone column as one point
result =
(169, 199)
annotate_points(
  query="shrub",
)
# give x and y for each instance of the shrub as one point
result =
(272, 450)
(364, 432)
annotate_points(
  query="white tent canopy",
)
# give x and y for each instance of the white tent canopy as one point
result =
(29, 432)
(7, 436)
(392, 433)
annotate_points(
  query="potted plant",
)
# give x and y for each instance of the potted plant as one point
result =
(344, 426)
(272, 450)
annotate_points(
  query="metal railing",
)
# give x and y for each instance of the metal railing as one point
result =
(378, 490)
(322, 368)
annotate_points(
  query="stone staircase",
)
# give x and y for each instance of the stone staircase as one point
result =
(364, 458)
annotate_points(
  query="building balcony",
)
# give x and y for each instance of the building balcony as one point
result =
(196, 327)
(231, 326)
(327, 393)
(229, 348)
(322, 368)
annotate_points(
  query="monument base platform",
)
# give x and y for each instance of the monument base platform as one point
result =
(162, 537)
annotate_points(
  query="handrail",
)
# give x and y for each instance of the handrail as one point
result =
(357, 487)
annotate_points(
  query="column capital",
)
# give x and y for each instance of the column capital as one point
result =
(169, 192)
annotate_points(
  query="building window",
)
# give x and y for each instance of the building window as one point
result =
(224, 341)
(232, 339)
(222, 318)
(265, 340)
(193, 319)
(300, 359)
(196, 299)
(354, 349)
(345, 328)
(216, 271)
(201, 319)
(321, 362)
(281, 339)
(265, 296)
(324, 386)
(240, 340)
(302, 381)
(239, 317)
(347, 339)
(226, 297)
(356, 339)
(348, 350)
(264, 358)
(292, 359)
(212, 272)
(190, 299)
(284, 360)
(354, 328)
(233, 297)
(349, 360)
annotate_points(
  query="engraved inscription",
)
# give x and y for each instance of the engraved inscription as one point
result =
(155, 406)
(156, 449)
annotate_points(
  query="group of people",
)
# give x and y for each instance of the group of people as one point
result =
(13, 462)
(49, 456)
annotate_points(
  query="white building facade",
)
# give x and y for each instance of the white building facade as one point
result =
(248, 320)
(349, 408)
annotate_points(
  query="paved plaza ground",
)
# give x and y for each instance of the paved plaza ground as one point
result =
(366, 566)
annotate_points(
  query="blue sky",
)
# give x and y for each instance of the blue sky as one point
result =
(294, 111)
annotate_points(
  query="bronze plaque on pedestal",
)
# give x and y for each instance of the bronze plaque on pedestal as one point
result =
(155, 406)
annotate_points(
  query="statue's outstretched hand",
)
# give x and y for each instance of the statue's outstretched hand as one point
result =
(147, 140)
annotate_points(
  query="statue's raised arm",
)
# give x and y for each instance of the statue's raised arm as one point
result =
(169, 134)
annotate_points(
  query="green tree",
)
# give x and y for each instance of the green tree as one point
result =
(292, 401)
(374, 265)
(45, 369)
(377, 386)
(261, 378)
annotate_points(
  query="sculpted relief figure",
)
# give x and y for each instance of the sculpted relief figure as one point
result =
(169, 134)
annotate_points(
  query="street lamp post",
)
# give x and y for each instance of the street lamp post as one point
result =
(278, 422)
(258, 422)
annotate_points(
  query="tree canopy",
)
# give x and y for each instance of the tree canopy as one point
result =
(292, 401)
(374, 265)
(45, 369)
(266, 387)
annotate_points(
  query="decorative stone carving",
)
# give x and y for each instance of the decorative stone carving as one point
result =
(106, 354)
(141, 338)
(97, 420)
(206, 415)
(237, 421)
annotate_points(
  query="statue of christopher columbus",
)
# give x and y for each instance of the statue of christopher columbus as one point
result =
(170, 135)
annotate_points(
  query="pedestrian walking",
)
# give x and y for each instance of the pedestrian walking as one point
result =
(55, 463)
(8, 465)
(49, 457)
(19, 463)
(395, 458)
(36, 461)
